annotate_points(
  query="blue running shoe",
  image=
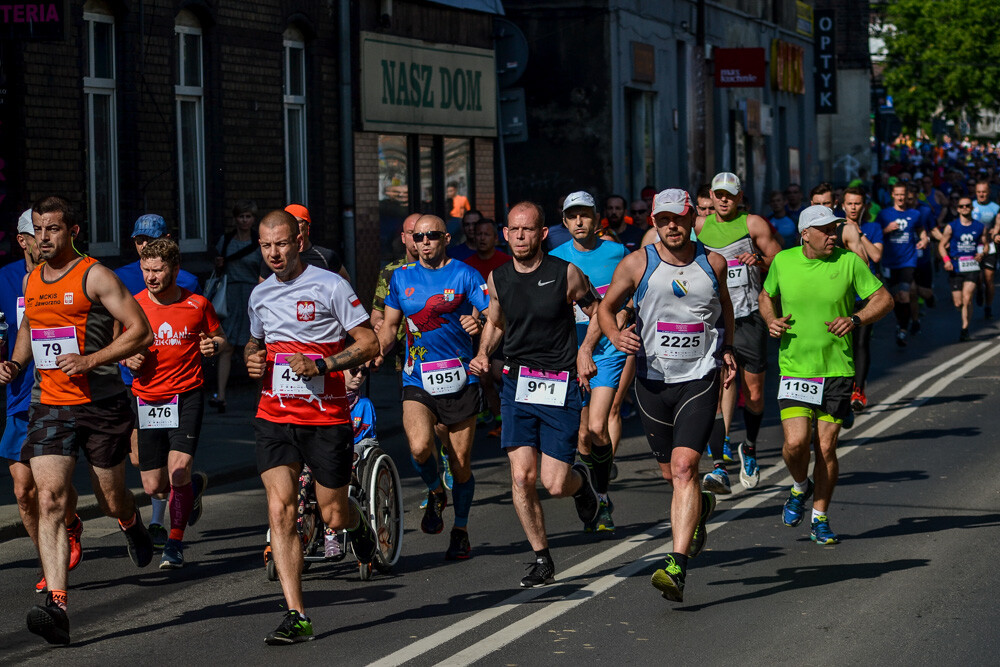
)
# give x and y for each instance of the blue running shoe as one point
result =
(821, 533)
(717, 482)
(173, 555)
(446, 476)
(749, 470)
(727, 451)
(795, 506)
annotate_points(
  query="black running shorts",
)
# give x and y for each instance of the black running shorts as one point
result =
(449, 409)
(101, 429)
(678, 414)
(328, 450)
(155, 444)
(750, 343)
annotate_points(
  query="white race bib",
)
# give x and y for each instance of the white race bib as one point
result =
(736, 273)
(442, 377)
(967, 264)
(47, 344)
(541, 388)
(806, 390)
(680, 341)
(285, 382)
(161, 414)
(20, 310)
(582, 317)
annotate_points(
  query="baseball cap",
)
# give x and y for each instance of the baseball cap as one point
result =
(727, 181)
(579, 198)
(151, 225)
(672, 200)
(817, 215)
(299, 211)
(24, 225)
(647, 192)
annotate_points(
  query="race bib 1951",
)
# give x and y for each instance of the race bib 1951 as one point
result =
(541, 387)
(442, 377)
(47, 344)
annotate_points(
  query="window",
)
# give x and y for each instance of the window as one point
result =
(102, 130)
(189, 99)
(456, 176)
(295, 117)
(393, 194)
(640, 156)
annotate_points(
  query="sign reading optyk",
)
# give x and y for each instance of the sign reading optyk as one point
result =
(739, 68)
(826, 63)
(412, 86)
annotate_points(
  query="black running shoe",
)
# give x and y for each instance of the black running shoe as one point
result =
(542, 571)
(364, 543)
(964, 336)
(199, 482)
(294, 628)
(140, 545)
(700, 531)
(669, 580)
(432, 523)
(49, 622)
(459, 549)
(587, 502)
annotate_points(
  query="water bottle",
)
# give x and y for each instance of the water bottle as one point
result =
(3, 337)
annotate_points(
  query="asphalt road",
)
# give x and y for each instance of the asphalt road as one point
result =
(917, 507)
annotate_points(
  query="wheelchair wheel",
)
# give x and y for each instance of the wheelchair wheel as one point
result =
(312, 533)
(365, 570)
(384, 501)
(269, 566)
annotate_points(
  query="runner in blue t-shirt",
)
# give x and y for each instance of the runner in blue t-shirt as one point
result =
(985, 211)
(903, 235)
(962, 248)
(600, 422)
(441, 299)
(923, 274)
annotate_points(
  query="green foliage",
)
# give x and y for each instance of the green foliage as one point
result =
(943, 57)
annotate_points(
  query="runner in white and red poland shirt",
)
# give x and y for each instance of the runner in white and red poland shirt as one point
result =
(299, 320)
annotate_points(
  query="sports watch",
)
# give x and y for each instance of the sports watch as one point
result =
(321, 368)
(856, 320)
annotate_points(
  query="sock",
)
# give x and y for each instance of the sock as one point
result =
(902, 315)
(159, 508)
(543, 553)
(816, 514)
(602, 457)
(461, 493)
(59, 598)
(428, 472)
(680, 559)
(131, 522)
(181, 503)
(802, 486)
(301, 615)
(752, 421)
(717, 438)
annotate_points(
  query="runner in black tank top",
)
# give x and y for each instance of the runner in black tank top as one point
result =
(540, 401)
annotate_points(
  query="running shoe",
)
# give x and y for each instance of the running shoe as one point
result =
(50, 622)
(331, 545)
(964, 336)
(199, 481)
(727, 451)
(432, 523)
(749, 470)
(717, 481)
(218, 403)
(483, 418)
(604, 523)
(158, 535)
(446, 477)
(669, 580)
(364, 542)
(423, 503)
(613, 475)
(821, 533)
(173, 555)
(41, 586)
(140, 547)
(585, 498)
(795, 506)
(858, 401)
(700, 531)
(989, 313)
(542, 571)
(495, 431)
(848, 420)
(294, 628)
(75, 547)
(914, 327)
(459, 548)
(900, 337)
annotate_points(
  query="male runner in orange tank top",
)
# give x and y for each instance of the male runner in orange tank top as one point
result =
(78, 402)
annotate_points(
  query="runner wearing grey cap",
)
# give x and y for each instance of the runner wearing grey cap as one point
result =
(748, 244)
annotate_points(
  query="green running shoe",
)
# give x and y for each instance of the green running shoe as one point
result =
(669, 580)
(294, 628)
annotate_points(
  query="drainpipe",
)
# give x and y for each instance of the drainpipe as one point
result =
(347, 141)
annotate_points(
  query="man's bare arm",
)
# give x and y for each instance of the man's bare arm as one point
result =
(104, 287)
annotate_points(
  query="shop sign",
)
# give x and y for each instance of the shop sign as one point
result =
(826, 63)
(803, 18)
(739, 68)
(33, 20)
(787, 67)
(411, 86)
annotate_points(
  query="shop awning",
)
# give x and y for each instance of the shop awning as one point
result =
(487, 6)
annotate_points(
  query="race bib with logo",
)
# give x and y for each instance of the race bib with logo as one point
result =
(161, 414)
(806, 390)
(286, 382)
(736, 273)
(680, 341)
(47, 344)
(967, 264)
(442, 377)
(20, 310)
(541, 387)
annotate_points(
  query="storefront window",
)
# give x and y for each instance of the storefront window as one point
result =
(428, 200)
(394, 195)
(457, 175)
(640, 154)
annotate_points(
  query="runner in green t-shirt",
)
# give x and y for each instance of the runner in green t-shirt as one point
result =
(815, 287)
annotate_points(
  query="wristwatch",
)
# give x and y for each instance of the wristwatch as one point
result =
(321, 368)
(856, 320)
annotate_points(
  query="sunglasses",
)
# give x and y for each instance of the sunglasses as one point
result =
(965, 206)
(431, 236)
(639, 211)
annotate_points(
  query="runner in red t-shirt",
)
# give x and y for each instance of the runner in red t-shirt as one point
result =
(487, 256)
(168, 392)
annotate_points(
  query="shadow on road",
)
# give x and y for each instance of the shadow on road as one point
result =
(892, 477)
(929, 524)
(927, 434)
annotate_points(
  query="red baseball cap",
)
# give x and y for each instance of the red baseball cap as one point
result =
(299, 211)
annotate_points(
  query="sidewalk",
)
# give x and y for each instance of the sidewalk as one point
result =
(226, 449)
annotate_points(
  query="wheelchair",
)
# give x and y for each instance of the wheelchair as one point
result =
(375, 487)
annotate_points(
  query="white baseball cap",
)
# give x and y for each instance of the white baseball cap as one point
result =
(672, 200)
(727, 181)
(24, 225)
(817, 216)
(579, 198)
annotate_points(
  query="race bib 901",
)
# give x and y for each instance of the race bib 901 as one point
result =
(541, 387)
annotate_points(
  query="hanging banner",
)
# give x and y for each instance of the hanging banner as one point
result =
(826, 63)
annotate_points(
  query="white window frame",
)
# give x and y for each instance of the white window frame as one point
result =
(101, 87)
(196, 94)
(295, 48)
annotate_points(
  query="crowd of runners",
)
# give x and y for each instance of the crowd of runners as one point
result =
(664, 306)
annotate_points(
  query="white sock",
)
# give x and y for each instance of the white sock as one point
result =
(159, 508)
(816, 514)
(802, 486)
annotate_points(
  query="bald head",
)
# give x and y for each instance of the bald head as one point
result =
(279, 218)
(529, 212)
(430, 223)
(410, 221)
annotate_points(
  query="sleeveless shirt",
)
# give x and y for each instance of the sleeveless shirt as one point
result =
(730, 239)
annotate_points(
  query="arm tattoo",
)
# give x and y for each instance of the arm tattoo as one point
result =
(348, 358)
(253, 346)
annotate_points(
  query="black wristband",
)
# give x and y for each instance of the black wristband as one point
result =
(20, 368)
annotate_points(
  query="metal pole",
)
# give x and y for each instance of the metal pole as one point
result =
(347, 142)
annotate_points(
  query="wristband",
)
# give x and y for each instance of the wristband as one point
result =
(20, 368)
(946, 258)
(215, 346)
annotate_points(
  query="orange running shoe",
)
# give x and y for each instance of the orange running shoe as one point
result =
(75, 548)
(858, 400)
(41, 586)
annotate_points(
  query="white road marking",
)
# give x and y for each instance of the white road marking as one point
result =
(893, 412)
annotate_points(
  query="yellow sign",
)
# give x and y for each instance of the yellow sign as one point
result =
(787, 63)
(803, 18)
(408, 85)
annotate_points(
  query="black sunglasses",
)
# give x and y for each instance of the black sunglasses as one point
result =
(431, 236)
